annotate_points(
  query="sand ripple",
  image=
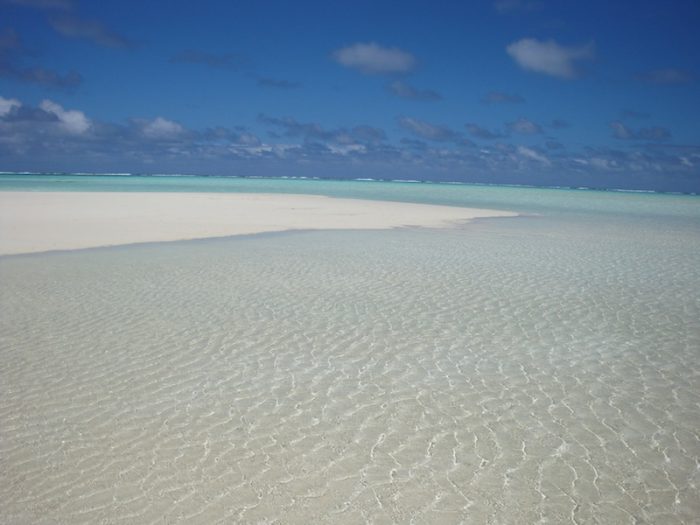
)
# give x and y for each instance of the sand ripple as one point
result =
(477, 376)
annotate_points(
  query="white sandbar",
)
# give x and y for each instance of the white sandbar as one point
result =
(44, 221)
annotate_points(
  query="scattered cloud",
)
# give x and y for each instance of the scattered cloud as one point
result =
(21, 113)
(368, 134)
(13, 53)
(65, 22)
(428, 131)
(39, 75)
(666, 76)
(312, 131)
(512, 6)
(161, 128)
(524, 127)
(483, 133)
(414, 144)
(654, 133)
(93, 30)
(7, 105)
(654, 159)
(498, 97)
(372, 58)
(292, 128)
(51, 131)
(620, 131)
(531, 154)
(404, 90)
(214, 60)
(51, 135)
(71, 120)
(548, 57)
(221, 135)
(277, 83)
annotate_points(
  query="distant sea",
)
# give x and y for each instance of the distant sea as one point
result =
(543, 368)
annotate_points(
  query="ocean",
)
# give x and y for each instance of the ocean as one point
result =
(537, 369)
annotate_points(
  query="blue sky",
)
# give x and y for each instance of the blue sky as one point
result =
(603, 94)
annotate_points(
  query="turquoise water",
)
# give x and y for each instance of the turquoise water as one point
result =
(522, 199)
(541, 369)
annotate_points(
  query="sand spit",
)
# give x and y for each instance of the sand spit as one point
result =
(43, 221)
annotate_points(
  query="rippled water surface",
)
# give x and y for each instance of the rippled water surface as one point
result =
(538, 369)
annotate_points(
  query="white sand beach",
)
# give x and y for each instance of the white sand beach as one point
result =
(44, 221)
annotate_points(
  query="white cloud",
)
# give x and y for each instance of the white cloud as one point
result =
(603, 164)
(161, 128)
(347, 149)
(7, 105)
(426, 130)
(71, 120)
(620, 131)
(248, 139)
(533, 155)
(524, 127)
(548, 57)
(373, 58)
(655, 133)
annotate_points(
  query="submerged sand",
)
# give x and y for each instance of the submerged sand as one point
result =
(528, 372)
(44, 221)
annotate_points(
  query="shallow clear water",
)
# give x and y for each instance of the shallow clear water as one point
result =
(538, 369)
(523, 199)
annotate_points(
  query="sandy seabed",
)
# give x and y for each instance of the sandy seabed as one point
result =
(43, 221)
(543, 370)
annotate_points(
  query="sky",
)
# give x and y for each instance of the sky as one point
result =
(541, 92)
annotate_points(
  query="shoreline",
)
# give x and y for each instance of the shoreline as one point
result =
(35, 222)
